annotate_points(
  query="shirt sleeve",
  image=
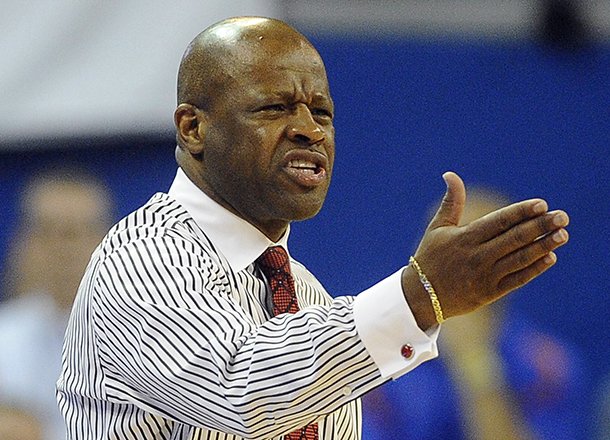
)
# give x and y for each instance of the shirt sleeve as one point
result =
(389, 331)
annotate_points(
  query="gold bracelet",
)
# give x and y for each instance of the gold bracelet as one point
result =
(436, 304)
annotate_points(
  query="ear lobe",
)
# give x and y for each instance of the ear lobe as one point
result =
(190, 128)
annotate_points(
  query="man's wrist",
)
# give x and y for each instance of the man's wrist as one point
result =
(418, 299)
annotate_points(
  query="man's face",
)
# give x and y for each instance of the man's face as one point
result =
(269, 144)
(66, 222)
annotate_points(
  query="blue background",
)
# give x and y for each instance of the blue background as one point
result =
(515, 116)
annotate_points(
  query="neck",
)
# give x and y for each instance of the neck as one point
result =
(273, 229)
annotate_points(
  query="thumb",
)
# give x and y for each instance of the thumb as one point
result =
(452, 205)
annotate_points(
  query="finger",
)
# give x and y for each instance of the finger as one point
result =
(452, 205)
(495, 223)
(528, 255)
(519, 278)
(526, 233)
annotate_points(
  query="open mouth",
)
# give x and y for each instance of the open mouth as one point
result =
(306, 168)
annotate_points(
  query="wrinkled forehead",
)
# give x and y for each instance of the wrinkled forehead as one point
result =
(274, 53)
(275, 64)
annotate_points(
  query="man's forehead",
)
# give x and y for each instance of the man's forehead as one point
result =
(261, 65)
(274, 52)
(282, 79)
(291, 64)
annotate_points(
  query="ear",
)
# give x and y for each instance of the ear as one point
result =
(190, 125)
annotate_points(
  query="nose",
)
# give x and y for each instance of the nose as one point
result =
(303, 129)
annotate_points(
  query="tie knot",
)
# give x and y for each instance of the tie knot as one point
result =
(274, 258)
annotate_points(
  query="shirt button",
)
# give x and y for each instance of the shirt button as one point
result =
(347, 390)
(407, 351)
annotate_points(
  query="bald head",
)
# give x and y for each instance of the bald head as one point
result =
(254, 121)
(215, 56)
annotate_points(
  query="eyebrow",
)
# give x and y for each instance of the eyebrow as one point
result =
(289, 96)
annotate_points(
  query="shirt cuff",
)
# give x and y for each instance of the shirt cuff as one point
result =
(389, 331)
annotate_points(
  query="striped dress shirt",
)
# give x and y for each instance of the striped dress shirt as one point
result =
(171, 336)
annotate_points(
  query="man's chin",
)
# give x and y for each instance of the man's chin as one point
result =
(305, 209)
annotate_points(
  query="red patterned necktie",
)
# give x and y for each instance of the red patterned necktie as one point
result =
(274, 263)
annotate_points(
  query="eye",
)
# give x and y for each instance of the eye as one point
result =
(273, 108)
(321, 112)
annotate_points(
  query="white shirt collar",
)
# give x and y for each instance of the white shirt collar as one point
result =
(239, 241)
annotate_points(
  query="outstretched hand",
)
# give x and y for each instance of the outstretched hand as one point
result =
(475, 264)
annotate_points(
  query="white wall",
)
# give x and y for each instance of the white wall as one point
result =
(505, 19)
(84, 67)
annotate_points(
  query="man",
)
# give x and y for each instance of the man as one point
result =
(188, 323)
(18, 424)
(63, 215)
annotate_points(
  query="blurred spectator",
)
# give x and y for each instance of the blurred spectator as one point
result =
(602, 415)
(64, 215)
(16, 424)
(497, 377)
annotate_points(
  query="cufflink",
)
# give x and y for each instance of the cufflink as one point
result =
(407, 351)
